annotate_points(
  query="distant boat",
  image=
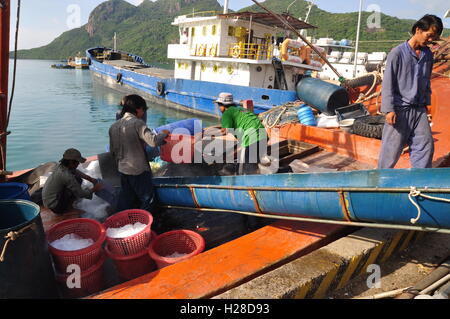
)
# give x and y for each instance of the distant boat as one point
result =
(79, 62)
(62, 66)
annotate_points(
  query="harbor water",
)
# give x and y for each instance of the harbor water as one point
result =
(56, 109)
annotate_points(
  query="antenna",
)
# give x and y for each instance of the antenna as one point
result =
(357, 38)
(287, 10)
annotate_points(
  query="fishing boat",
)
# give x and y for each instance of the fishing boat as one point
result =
(354, 195)
(78, 62)
(217, 52)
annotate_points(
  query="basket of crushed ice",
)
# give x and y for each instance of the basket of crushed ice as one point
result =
(128, 232)
(76, 241)
(175, 246)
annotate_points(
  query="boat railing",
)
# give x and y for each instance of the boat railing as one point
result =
(251, 51)
(202, 14)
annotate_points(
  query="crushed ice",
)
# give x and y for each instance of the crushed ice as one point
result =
(71, 242)
(125, 231)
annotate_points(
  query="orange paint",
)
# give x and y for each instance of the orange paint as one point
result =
(230, 264)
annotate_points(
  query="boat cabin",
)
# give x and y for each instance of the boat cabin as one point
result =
(235, 48)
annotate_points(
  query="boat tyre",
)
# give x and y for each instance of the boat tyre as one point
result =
(160, 88)
(365, 80)
(119, 77)
(369, 126)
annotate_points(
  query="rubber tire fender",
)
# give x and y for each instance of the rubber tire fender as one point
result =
(365, 80)
(160, 88)
(369, 126)
(119, 77)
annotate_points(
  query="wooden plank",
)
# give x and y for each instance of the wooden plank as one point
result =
(230, 264)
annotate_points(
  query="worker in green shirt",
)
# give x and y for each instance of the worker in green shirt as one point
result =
(246, 126)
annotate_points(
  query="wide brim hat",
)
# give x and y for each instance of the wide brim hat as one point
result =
(74, 155)
(225, 99)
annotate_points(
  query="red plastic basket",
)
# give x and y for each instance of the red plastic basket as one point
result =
(133, 244)
(175, 148)
(182, 241)
(130, 267)
(91, 281)
(86, 257)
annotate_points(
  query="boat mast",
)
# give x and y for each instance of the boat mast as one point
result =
(115, 41)
(4, 69)
(225, 7)
(304, 31)
(357, 38)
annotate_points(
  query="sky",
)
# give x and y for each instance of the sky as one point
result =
(44, 20)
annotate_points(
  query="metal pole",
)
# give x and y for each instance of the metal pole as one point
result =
(225, 7)
(115, 41)
(357, 38)
(287, 25)
(312, 220)
(4, 69)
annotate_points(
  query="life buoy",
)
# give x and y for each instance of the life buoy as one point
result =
(201, 50)
(236, 51)
(119, 77)
(289, 43)
(213, 50)
(160, 88)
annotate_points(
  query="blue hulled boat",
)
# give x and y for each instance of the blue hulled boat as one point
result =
(229, 52)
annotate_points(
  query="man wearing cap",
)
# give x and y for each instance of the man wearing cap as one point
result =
(63, 187)
(406, 92)
(248, 129)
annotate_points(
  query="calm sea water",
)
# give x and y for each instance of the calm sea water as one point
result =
(57, 109)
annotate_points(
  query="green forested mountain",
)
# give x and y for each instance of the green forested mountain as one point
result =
(146, 30)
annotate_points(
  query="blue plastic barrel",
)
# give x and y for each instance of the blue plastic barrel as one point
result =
(306, 116)
(14, 191)
(188, 124)
(26, 270)
(323, 96)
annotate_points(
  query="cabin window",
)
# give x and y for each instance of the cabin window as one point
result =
(205, 31)
(193, 31)
(214, 30)
(230, 31)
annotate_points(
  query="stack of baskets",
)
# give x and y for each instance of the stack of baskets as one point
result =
(87, 262)
(130, 254)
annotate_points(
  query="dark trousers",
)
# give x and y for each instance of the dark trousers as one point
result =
(136, 192)
(413, 129)
(65, 200)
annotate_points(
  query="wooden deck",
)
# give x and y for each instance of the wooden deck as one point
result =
(138, 68)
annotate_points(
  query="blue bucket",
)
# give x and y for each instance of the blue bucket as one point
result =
(26, 270)
(14, 191)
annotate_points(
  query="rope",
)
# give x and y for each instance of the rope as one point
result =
(3, 151)
(416, 193)
(12, 236)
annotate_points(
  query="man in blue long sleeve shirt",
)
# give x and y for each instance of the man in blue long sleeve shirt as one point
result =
(406, 93)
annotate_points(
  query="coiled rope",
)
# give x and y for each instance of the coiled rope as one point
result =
(12, 236)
